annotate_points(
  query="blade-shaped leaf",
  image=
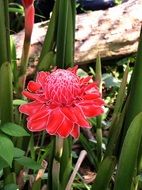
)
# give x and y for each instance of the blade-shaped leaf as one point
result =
(61, 33)
(129, 153)
(134, 100)
(6, 93)
(104, 173)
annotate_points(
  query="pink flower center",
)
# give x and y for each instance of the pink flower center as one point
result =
(63, 87)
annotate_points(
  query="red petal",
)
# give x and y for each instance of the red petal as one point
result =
(38, 120)
(65, 128)
(33, 86)
(91, 96)
(54, 121)
(92, 87)
(81, 120)
(29, 20)
(92, 111)
(73, 69)
(96, 102)
(29, 95)
(68, 112)
(42, 78)
(39, 124)
(85, 80)
(30, 108)
(43, 112)
(75, 132)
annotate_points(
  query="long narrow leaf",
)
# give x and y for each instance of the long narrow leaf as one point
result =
(134, 104)
(50, 38)
(69, 45)
(61, 33)
(66, 163)
(104, 173)
(3, 39)
(6, 111)
(129, 153)
(98, 78)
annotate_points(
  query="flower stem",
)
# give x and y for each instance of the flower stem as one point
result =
(56, 164)
(99, 118)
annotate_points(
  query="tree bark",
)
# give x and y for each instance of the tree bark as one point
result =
(111, 33)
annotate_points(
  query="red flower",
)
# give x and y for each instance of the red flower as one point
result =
(61, 102)
(29, 17)
(27, 3)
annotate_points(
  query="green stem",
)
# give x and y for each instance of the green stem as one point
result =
(6, 109)
(56, 164)
(4, 33)
(25, 56)
(99, 143)
(99, 118)
(7, 27)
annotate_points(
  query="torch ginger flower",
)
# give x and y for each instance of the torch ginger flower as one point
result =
(29, 17)
(61, 102)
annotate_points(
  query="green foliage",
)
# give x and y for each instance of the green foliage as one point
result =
(6, 149)
(11, 187)
(118, 1)
(18, 102)
(18, 152)
(114, 143)
(13, 130)
(3, 163)
(6, 95)
(28, 163)
(104, 174)
(128, 156)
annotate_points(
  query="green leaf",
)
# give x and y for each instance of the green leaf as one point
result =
(11, 186)
(13, 59)
(66, 163)
(70, 31)
(110, 81)
(3, 163)
(50, 37)
(37, 184)
(134, 98)
(117, 117)
(47, 61)
(91, 155)
(6, 94)
(104, 173)
(19, 102)
(13, 129)
(82, 73)
(129, 153)
(62, 33)
(3, 37)
(28, 163)
(18, 152)
(6, 149)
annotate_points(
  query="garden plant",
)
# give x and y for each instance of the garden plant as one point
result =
(62, 106)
